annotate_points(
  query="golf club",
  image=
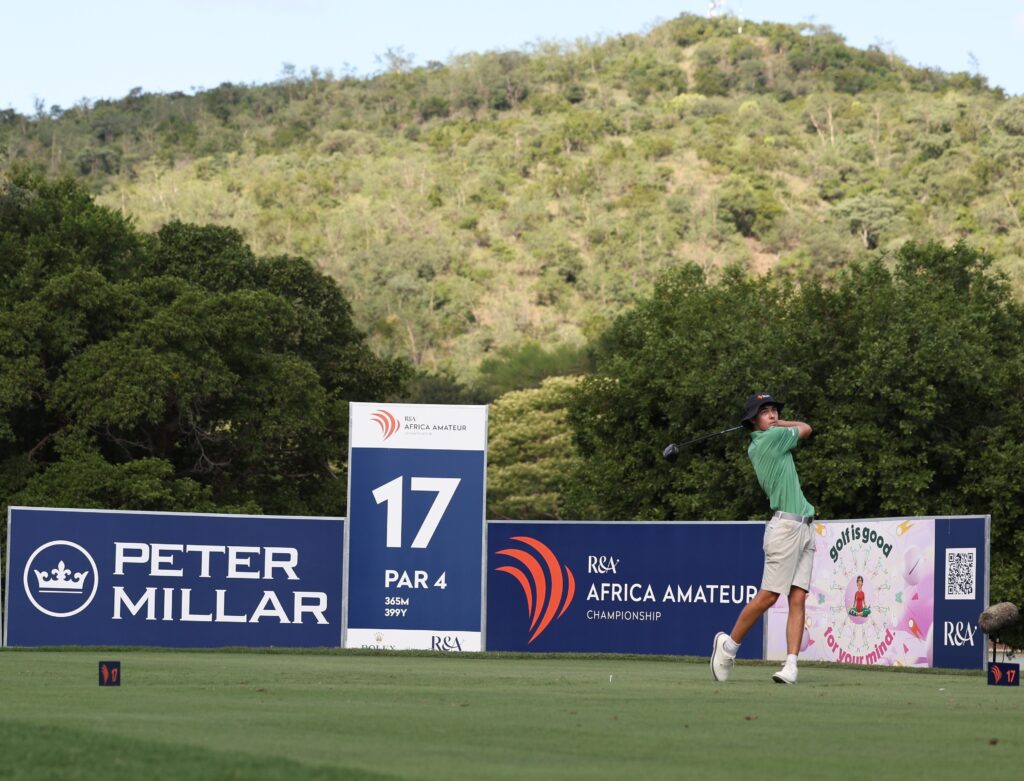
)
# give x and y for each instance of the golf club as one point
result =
(671, 453)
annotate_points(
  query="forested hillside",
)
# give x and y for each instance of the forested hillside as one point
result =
(502, 208)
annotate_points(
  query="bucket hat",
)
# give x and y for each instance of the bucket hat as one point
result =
(754, 404)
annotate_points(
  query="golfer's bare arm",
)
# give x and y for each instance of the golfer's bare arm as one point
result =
(802, 429)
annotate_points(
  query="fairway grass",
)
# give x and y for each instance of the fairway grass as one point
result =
(346, 715)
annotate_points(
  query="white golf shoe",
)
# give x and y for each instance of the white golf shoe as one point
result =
(721, 661)
(786, 675)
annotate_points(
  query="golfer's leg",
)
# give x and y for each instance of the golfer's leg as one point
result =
(752, 613)
(779, 538)
(795, 621)
(801, 584)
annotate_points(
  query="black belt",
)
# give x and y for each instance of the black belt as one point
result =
(793, 517)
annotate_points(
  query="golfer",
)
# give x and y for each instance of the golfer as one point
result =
(788, 536)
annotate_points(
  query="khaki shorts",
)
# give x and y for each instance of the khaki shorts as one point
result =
(788, 555)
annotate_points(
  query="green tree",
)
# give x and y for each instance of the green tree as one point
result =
(751, 210)
(530, 453)
(671, 368)
(440, 388)
(867, 216)
(710, 80)
(526, 366)
(910, 378)
(169, 371)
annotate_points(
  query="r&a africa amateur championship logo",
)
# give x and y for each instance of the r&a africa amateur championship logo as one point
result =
(60, 578)
(388, 423)
(549, 587)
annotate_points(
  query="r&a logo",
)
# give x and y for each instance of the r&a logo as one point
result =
(445, 643)
(602, 565)
(958, 634)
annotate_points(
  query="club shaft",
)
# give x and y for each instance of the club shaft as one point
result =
(708, 436)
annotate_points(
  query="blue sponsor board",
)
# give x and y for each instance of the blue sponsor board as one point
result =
(414, 549)
(961, 591)
(621, 587)
(94, 577)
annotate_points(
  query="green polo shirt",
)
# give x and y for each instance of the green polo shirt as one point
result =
(771, 453)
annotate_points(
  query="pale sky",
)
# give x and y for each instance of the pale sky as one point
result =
(62, 51)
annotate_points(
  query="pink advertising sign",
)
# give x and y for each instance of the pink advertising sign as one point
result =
(872, 595)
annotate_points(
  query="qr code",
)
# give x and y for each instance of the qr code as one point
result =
(961, 572)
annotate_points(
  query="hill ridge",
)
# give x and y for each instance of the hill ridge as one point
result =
(515, 198)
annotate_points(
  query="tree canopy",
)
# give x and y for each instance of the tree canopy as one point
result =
(171, 371)
(531, 457)
(910, 375)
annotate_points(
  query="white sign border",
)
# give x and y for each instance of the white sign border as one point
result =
(476, 409)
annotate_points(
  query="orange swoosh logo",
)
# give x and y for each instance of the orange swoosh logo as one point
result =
(548, 585)
(388, 423)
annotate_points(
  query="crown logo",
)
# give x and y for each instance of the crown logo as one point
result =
(63, 580)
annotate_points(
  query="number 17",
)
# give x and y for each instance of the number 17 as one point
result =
(391, 493)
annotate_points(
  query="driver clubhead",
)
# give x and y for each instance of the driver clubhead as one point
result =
(671, 453)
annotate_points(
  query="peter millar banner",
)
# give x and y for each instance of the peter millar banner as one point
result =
(105, 577)
(414, 546)
(894, 592)
(620, 587)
